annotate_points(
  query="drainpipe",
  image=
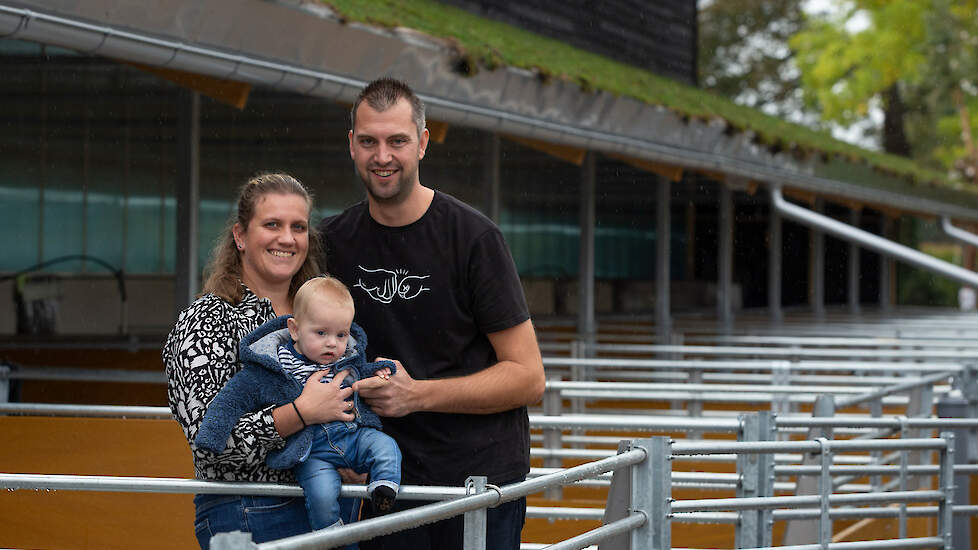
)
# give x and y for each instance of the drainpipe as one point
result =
(870, 241)
(957, 233)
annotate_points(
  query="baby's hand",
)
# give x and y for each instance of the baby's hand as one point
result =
(384, 373)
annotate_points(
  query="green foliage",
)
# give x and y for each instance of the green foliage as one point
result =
(924, 47)
(744, 54)
(493, 44)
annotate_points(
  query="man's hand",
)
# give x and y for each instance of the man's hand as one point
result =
(394, 396)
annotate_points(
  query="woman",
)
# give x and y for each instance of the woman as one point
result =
(264, 256)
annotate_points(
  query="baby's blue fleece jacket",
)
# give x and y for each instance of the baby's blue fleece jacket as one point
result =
(263, 382)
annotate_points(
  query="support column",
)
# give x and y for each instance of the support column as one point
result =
(663, 233)
(886, 266)
(774, 265)
(818, 265)
(493, 193)
(853, 294)
(188, 198)
(725, 230)
(586, 325)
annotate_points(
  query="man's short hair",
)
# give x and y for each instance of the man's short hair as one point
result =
(384, 93)
(323, 286)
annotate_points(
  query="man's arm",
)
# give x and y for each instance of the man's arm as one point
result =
(516, 380)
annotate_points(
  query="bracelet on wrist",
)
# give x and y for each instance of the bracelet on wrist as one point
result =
(297, 413)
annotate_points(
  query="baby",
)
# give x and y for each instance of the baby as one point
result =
(321, 336)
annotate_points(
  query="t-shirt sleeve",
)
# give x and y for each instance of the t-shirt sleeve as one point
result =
(496, 294)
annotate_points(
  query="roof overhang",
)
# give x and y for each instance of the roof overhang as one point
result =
(302, 47)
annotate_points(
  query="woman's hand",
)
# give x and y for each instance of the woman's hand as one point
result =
(320, 403)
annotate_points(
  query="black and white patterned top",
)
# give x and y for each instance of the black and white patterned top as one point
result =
(201, 355)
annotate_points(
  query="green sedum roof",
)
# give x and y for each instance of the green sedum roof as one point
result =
(489, 44)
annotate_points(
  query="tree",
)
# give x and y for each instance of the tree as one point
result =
(744, 54)
(893, 54)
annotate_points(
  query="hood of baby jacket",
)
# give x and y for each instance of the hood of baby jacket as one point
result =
(260, 347)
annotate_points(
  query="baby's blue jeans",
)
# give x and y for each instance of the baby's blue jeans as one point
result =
(345, 445)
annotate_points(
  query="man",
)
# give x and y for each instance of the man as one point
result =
(437, 290)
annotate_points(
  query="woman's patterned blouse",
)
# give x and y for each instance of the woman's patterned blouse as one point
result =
(201, 355)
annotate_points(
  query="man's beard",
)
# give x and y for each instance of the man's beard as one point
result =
(404, 186)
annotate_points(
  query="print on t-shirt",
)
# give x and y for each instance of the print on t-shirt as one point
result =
(383, 284)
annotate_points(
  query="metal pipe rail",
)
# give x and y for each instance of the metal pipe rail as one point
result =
(564, 386)
(564, 421)
(957, 233)
(81, 374)
(898, 388)
(901, 544)
(829, 341)
(112, 411)
(753, 365)
(433, 512)
(135, 484)
(804, 501)
(737, 351)
(809, 446)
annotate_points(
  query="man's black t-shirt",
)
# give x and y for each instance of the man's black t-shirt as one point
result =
(427, 294)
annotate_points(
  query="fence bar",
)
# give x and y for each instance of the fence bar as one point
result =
(115, 484)
(878, 513)
(841, 446)
(615, 528)
(47, 409)
(804, 501)
(928, 380)
(922, 542)
(398, 521)
(82, 374)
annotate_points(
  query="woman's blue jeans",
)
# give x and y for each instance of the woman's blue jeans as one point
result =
(266, 518)
(345, 445)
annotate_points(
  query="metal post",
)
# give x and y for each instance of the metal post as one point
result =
(663, 233)
(886, 266)
(4, 383)
(904, 468)
(188, 198)
(818, 265)
(805, 531)
(756, 472)
(876, 411)
(619, 503)
(552, 436)
(725, 230)
(853, 294)
(920, 406)
(825, 491)
(585, 278)
(493, 193)
(956, 406)
(781, 376)
(474, 522)
(652, 495)
(774, 265)
(945, 510)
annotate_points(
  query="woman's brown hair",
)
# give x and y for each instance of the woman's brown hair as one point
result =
(224, 267)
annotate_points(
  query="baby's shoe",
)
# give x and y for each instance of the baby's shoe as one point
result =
(382, 499)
